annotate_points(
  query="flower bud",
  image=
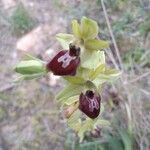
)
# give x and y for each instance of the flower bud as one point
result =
(89, 104)
(65, 62)
(29, 67)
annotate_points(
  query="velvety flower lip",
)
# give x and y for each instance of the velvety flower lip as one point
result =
(65, 62)
(89, 104)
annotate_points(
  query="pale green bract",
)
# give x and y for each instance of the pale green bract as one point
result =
(83, 126)
(108, 75)
(72, 100)
(87, 125)
(92, 59)
(95, 73)
(102, 122)
(74, 121)
(75, 80)
(68, 91)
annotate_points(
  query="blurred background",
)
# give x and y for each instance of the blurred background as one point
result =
(30, 118)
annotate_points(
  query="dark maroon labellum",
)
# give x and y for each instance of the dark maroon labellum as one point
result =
(65, 62)
(89, 104)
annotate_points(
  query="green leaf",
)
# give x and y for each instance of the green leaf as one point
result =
(92, 60)
(75, 80)
(76, 29)
(68, 91)
(30, 67)
(97, 71)
(94, 44)
(145, 28)
(114, 143)
(64, 39)
(72, 100)
(126, 139)
(89, 28)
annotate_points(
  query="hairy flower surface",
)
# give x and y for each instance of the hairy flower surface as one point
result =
(65, 62)
(89, 104)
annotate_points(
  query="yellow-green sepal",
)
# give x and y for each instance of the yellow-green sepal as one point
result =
(89, 28)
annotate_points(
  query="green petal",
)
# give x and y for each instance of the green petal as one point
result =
(94, 44)
(89, 28)
(65, 39)
(76, 29)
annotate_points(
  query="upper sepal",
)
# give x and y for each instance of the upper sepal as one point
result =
(89, 28)
(76, 29)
